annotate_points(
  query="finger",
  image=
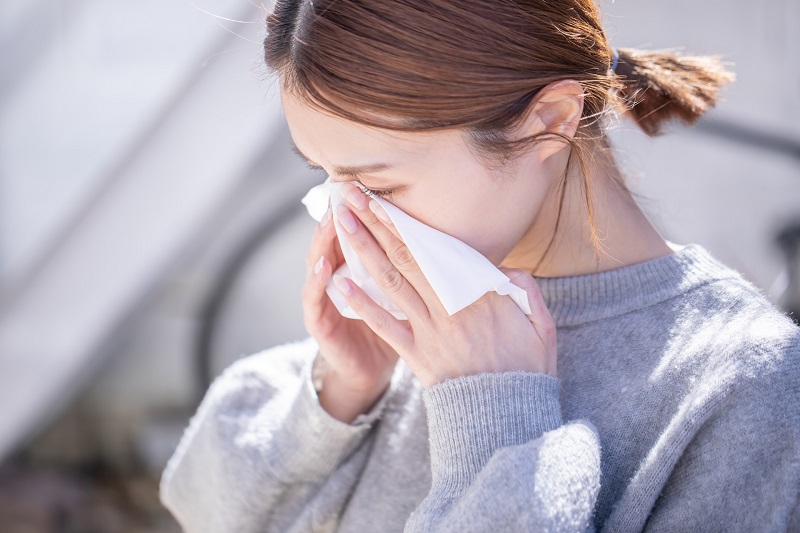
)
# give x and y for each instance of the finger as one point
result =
(540, 316)
(386, 275)
(321, 243)
(319, 316)
(382, 216)
(337, 251)
(388, 238)
(397, 333)
(313, 297)
(359, 204)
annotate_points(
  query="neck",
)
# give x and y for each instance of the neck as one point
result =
(624, 233)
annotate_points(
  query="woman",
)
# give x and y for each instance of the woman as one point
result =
(651, 388)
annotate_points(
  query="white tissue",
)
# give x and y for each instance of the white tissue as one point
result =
(458, 274)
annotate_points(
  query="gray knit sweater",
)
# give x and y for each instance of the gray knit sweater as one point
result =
(676, 408)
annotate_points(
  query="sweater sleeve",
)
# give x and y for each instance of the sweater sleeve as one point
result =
(503, 460)
(261, 454)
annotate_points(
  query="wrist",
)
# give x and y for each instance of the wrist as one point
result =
(338, 397)
(344, 403)
(322, 373)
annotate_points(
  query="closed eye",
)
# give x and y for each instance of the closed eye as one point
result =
(382, 193)
(312, 166)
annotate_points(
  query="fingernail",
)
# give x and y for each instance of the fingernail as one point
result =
(325, 218)
(354, 197)
(376, 208)
(318, 266)
(342, 284)
(347, 219)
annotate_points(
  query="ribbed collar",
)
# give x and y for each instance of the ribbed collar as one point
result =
(575, 300)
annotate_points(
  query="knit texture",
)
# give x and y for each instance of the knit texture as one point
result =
(676, 408)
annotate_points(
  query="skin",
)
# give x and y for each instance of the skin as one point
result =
(507, 214)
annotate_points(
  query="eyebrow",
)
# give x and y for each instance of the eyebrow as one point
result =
(353, 172)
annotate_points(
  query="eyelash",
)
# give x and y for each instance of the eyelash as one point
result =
(385, 193)
(382, 193)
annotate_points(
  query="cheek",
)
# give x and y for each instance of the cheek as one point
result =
(494, 234)
(488, 225)
(458, 197)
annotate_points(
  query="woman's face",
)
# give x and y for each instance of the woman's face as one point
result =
(433, 177)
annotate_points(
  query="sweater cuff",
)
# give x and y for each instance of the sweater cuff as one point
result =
(316, 443)
(471, 417)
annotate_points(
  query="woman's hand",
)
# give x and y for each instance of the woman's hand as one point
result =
(360, 363)
(491, 335)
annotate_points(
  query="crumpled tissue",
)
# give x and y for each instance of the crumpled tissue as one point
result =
(457, 273)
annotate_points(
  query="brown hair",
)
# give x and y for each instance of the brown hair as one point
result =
(475, 65)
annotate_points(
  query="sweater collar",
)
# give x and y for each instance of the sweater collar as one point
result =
(574, 300)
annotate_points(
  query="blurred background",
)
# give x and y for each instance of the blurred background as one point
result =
(151, 230)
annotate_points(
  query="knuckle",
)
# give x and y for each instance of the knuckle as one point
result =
(401, 256)
(359, 241)
(548, 326)
(371, 222)
(391, 279)
(380, 325)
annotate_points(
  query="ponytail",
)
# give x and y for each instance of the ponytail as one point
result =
(658, 86)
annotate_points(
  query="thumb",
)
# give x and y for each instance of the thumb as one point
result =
(540, 316)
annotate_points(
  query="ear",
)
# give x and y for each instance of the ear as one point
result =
(557, 108)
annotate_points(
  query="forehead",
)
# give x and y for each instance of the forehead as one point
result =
(327, 138)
